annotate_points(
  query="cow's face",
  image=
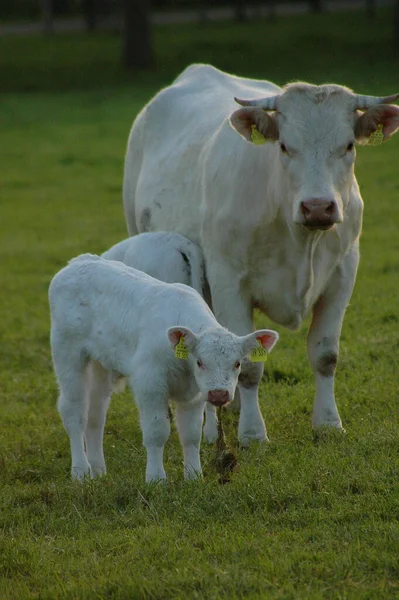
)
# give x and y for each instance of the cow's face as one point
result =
(215, 357)
(315, 129)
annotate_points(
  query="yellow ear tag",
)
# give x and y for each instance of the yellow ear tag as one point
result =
(181, 350)
(258, 354)
(256, 136)
(377, 137)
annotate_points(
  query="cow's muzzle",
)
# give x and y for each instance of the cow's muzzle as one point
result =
(319, 213)
(218, 397)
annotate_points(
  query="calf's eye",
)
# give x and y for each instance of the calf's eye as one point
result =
(237, 364)
(350, 147)
(200, 363)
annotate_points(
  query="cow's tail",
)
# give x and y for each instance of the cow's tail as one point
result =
(133, 163)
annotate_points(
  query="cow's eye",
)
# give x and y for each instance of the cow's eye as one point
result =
(200, 363)
(237, 364)
(350, 147)
(283, 148)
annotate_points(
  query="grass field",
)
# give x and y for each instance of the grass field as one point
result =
(300, 519)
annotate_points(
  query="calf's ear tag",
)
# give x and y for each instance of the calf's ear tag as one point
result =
(258, 354)
(377, 137)
(181, 350)
(256, 136)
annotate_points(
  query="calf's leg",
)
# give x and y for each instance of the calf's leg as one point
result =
(189, 425)
(99, 398)
(73, 403)
(211, 424)
(155, 426)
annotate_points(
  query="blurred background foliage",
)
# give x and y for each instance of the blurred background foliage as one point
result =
(33, 9)
(135, 18)
(23, 9)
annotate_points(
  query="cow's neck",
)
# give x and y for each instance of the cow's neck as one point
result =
(291, 269)
(306, 275)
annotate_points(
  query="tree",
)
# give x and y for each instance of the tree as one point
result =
(239, 10)
(370, 7)
(396, 27)
(89, 12)
(316, 5)
(271, 4)
(137, 48)
(47, 13)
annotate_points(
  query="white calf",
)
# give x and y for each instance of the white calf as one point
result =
(172, 258)
(109, 320)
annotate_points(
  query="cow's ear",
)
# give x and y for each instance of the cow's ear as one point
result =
(175, 334)
(255, 125)
(377, 124)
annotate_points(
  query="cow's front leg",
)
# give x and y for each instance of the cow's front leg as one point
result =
(234, 310)
(323, 340)
(251, 425)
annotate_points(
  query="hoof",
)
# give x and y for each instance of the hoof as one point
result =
(325, 433)
(155, 478)
(191, 475)
(81, 473)
(98, 471)
(247, 438)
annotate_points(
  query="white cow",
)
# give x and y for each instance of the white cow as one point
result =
(110, 321)
(278, 222)
(172, 258)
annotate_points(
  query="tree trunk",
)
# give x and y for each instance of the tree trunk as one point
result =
(89, 11)
(240, 10)
(47, 14)
(316, 5)
(396, 27)
(137, 49)
(370, 7)
(271, 4)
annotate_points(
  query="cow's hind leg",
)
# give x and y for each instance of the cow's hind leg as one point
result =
(100, 396)
(323, 340)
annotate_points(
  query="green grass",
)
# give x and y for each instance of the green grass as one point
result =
(300, 519)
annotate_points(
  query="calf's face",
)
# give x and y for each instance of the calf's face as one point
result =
(215, 357)
(315, 129)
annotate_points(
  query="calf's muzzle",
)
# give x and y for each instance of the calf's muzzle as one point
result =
(319, 213)
(218, 397)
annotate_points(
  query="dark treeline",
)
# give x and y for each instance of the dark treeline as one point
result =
(94, 9)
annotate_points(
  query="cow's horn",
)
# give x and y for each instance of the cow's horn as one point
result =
(268, 103)
(363, 102)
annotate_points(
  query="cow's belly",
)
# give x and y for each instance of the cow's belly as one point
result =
(288, 312)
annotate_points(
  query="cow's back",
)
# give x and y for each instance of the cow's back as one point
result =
(168, 145)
